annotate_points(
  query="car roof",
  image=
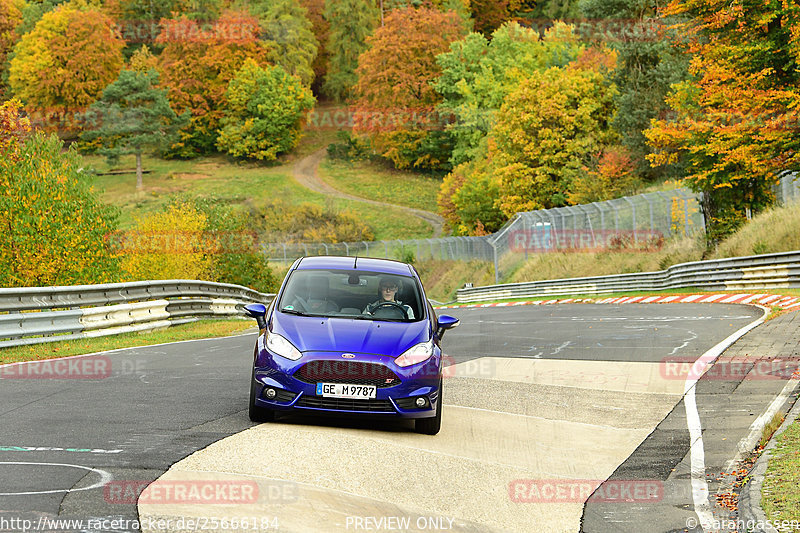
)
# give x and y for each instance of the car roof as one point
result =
(369, 264)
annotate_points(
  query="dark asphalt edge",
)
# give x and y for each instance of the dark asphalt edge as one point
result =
(681, 403)
(750, 496)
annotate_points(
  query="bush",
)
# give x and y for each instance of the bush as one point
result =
(264, 112)
(55, 227)
(169, 245)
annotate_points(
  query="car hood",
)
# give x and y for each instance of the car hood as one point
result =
(322, 334)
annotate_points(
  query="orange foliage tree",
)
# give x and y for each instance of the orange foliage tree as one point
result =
(197, 66)
(62, 65)
(736, 123)
(396, 102)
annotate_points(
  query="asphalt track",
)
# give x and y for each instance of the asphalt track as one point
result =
(568, 392)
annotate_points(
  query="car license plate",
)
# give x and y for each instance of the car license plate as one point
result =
(346, 390)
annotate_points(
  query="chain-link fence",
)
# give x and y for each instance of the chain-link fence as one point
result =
(455, 248)
(788, 190)
(640, 222)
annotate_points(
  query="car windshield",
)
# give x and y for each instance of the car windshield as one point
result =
(352, 294)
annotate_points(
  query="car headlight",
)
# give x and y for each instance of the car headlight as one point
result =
(279, 345)
(416, 354)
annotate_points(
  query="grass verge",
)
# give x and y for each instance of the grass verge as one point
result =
(241, 183)
(196, 330)
(375, 182)
(780, 494)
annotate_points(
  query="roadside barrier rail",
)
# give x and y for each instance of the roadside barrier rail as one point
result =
(768, 271)
(34, 315)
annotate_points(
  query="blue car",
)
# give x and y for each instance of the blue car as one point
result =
(349, 336)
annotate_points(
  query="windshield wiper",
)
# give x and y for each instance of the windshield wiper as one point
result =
(293, 312)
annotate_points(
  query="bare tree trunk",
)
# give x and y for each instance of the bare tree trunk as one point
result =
(139, 185)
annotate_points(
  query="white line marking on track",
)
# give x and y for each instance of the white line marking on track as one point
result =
(105, 477)
(696, 451)
(757, 427)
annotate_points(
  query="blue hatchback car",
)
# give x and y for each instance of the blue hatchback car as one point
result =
(349, 336)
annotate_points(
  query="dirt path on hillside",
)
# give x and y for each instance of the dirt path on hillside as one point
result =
(305, 172)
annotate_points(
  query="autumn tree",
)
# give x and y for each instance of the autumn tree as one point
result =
(735, 122)
(33, 11)
(611, 176)
(264, 112)
(169, 244)
(546, 133)
(651, 60)
(10, 19)
(478, 75)
(468, 196)
(288, 31)
(133, 117)
(54, 225)
(351, 23)
(138, 21)
(395, 85)
(65, 62)
(196, 68)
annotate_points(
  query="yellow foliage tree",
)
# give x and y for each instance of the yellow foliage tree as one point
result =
(168, 245)
(62, 65)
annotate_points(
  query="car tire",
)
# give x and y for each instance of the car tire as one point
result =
(431, 426)
(256, 412)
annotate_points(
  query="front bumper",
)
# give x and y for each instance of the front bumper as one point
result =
(393, 401)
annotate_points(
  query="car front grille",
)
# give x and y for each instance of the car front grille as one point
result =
(342, 404)
(355, 372)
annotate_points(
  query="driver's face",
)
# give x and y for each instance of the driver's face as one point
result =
(387, 293)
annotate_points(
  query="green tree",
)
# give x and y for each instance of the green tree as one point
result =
(546, 133)
(54, 225)
(133, 117)
(468, 197)
(286, 28)
(63, 64)
(651, 59)
(264, 112)
(351, 23)
(478, 75)
(237, 258)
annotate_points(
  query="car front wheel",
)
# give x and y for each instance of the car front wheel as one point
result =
(431, 426)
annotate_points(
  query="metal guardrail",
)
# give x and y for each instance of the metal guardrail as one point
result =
(34, 315)
(769, 271)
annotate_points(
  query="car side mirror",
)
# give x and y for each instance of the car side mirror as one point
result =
(259, 312)
(444, 323)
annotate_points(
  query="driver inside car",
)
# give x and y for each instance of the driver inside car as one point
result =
(387, 289)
